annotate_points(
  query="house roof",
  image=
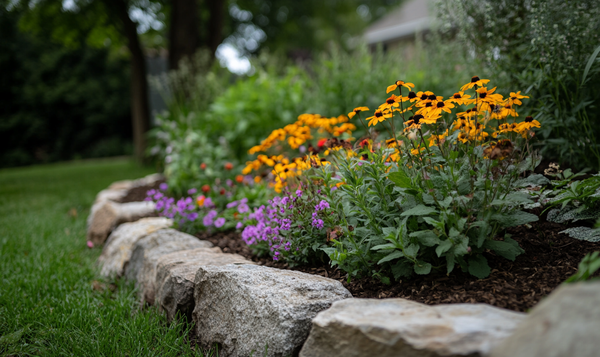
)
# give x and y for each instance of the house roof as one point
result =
(405, 21)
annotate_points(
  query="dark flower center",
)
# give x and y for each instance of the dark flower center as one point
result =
(482, 95)
(423, 96)
(412, 95)
(417, 118)
(390, 101)
(432, 97)
(474, 79)
(365, 157)
(456, 96)
(428, 105)
(529, 119)
(440, 104)
(378, 114)
(357, 110)
(286, 170)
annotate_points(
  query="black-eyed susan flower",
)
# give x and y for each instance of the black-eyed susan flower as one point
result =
(414, 122)
(399, 83)
(356, 111)
(391, 102)
(528, 124)
(439, 106)
(379, 116)
(461, 98)
(475, 81)
(506, 110)
(412, 96)
(488, 96)
(515, 98)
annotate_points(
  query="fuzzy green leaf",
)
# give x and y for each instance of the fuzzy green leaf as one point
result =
(444, 246)
(449, 262)
(508, 249)
(411, 250)
(393, 255)
(422, 268)
(428, 238)
(514, 218)
(400, 179)
(384, 246)
(419, 210)
(478, 266)
(402, 268)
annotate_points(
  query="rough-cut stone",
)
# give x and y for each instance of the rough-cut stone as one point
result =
(175, 275)
(565, 324)
(146, 253)
(247, 307)
(119, 245)
(399, 327)
(108, 215)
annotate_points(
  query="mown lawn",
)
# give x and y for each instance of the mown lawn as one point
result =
(48, 303)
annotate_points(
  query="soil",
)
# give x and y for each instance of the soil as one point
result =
(549, 259)
(138, 193)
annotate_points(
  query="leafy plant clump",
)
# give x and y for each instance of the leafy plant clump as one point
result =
(432, 194)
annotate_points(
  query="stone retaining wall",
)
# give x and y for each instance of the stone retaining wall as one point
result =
(246, 308)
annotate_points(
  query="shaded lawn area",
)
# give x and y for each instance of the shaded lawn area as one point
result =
(52, 299)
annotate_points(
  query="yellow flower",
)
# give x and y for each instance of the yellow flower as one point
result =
(528, 124)
(475, 81)
(418, 150)
(507, 110)
(399, 84)
(439, 106)
(488, 96)
(379, 116)
(461, 98)
(515, 98)
(356, 111)
(392, 101)
(436, 140)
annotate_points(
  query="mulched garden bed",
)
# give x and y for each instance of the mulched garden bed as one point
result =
(138, 193)
(549, 259)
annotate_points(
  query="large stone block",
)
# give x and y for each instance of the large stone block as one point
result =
(399, 327)
(565, 324)
(107, 215)
(119, 245)
(175, 275)
(245, 308)
(148, 250)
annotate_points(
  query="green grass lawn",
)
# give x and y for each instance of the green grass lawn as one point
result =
(47, 302)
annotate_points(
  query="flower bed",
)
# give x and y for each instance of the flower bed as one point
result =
(436, 194)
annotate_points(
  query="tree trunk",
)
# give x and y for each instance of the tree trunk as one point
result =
(140, 113)
(184, 37)
(216, 9)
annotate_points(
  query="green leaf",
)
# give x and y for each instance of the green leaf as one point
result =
(453, 233)
(394, 255)
(384, 246)
(444, 246)
(449, 262)
(14, 337)
(400, 179)
(402, 268)
(589, 64)
(387, 231)
(411, 250)
(428, 238)
(508, 249)
(478, 266)
(446, 202)
(514, 218)
(419, 210)
(463, 186)
(422, 268)
(437, 224)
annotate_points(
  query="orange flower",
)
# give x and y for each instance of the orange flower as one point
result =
(203, 166)
(200, 200)
(228, 166)
(205, 188)
(239, 178)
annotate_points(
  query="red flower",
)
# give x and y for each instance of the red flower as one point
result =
(321, 142)
(222, 191)
(205, 188)
(239, 178)
(203, 166)
(228, 166)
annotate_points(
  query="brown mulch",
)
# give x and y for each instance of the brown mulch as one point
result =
(138, 193)
(549, 259)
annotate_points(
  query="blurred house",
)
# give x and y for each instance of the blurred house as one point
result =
(399, 28)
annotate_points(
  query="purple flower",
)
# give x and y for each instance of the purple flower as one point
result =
(334, 188)
(208, 203)
(318, 223)
(150, 192)
(243, 208)
(239, 225)
(191, 191)
(219, 222)
(322, 205)
(299, 193)
(163, 186)
(232, 204)
(229, 183)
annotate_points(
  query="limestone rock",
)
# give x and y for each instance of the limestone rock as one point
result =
(399, 327)
(119, 245)
(565, 324)
(175, 274)
(146, 253)
(107, 215)
(247, 307)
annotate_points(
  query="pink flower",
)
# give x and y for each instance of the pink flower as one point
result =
(90, 244)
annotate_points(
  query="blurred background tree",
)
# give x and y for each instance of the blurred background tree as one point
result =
(66, 61)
